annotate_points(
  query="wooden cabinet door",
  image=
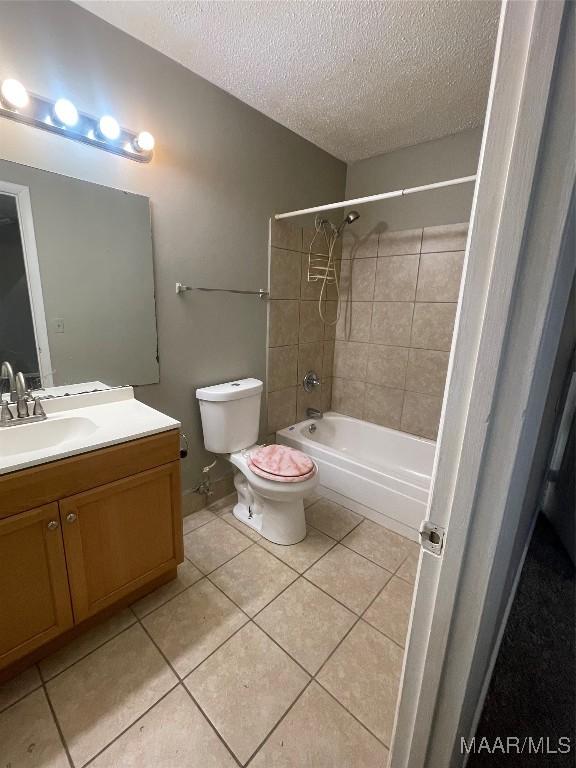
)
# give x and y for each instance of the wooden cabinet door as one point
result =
(34, 595)
(120, 536)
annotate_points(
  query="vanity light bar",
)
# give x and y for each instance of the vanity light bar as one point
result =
(63, 118)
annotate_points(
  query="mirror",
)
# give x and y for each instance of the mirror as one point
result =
(76, 281)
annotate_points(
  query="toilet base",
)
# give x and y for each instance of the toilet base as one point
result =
(281, 522)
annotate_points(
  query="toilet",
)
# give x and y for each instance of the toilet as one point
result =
(271, 481)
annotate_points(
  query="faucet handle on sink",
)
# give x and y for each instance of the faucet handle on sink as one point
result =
(5, 413)
(38, 407)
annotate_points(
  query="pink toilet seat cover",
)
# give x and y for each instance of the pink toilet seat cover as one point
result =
(283, 464)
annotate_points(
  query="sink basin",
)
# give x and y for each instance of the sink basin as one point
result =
(43, 435)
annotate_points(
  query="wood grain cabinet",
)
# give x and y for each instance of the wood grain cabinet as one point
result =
(34, 598)
(119, 536)
(68, 559)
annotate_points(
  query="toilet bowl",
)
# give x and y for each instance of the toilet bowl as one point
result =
(271, 491)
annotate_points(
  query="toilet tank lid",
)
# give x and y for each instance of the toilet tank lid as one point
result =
(231, 390)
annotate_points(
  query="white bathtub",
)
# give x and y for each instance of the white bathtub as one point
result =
(379, 472)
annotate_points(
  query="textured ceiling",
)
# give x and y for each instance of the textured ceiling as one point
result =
(356, 78)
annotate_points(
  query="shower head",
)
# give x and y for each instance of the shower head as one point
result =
(350, 219)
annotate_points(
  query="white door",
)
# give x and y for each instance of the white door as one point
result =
(21, 195)
(490, 412)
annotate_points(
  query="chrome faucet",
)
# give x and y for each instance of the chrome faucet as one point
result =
(21, 396)
(7, 372)
(313, 413)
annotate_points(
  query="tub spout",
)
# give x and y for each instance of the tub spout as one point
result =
(313, 413)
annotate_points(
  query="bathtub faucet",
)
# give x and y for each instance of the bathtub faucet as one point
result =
(313, 413)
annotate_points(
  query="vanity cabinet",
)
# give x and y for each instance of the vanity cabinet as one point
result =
(34, 599)
(103, 526)
(118, 537)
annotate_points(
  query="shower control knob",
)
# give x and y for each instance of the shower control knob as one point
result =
(311, 381)
(52, 525)
(71, 517)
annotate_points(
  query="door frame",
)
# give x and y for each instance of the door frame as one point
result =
(484, 455)
(28, 238)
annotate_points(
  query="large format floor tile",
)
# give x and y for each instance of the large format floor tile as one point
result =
(319, 733)
(349, 578)
(213, 544)
(29, 737)
(85, 643)
(390, 612)
(245, 688)
(173, 734)
(193, 624)
(17, 687)
(378, 544)
(188, 574)
(104, 693)
(301, 556)
(364, 674)
(306, 623)
(224, 504)
(407, 570)
(253, 578)
(331, 518)
(229, 518)
(197, 519)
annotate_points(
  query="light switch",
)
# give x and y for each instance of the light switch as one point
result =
(59, 325)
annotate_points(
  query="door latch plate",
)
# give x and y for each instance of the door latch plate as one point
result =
(432, 537)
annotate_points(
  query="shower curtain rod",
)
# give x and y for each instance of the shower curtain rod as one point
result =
(374, 198)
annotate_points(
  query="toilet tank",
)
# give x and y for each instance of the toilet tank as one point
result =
(230, 414)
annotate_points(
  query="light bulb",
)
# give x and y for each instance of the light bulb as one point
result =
(14, 95)
(144, 142)
(109, 128)
(65, 113)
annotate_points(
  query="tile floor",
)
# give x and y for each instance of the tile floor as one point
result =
(257, 655)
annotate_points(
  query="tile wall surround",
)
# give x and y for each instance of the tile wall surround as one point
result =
(387, 357)
(399, 292)
(298, 340)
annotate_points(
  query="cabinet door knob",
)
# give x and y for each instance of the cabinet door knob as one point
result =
(71, 517)
(52, 525)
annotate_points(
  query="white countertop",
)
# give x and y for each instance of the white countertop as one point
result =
(78, 423)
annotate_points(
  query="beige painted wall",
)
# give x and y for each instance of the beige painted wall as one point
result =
(220, 171)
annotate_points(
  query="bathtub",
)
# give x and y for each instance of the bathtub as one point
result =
(381, 473)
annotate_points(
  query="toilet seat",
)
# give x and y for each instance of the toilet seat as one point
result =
(281, 464)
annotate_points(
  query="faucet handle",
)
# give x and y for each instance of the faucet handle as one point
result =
(5, 413)
(38, 407)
